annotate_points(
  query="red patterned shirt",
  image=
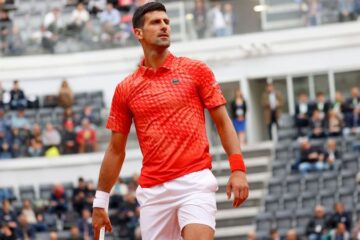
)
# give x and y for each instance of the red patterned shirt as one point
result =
(167, 106)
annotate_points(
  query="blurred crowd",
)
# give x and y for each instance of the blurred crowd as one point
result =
(65, 212)
(22, 136)
(334, 225)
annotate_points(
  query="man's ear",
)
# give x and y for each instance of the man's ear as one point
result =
(138, 32)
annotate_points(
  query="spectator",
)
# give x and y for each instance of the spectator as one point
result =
(69, 144)
(317, 125)
(274, 234)
(40, 225)
(6, 27)
(66, 96)
(355, 234)
(6, 151)
(330, 154)
(340, 233)
(119, 190)
(217, 20)
(46, 39)
(321, 105)
(291, 234)
(75, 233)
(68, 115)
(251, 235)
(339, 105)
(84, 224)
(302, 113)
(272, 103)
(314, 13)
(335, 124)
(316, 227)
(2, 93)
(8, 216)
(96, 6)
(90, 194)
(86, 137)
(78, 196)
(340, 216)
(25, 230)
(346, 9)
(110, 21)
(17, 97)
(200, 18)
(230, 20)
(19, 120)
(51, 137)
(353, 101)
(311, 158)
(352, 122)
(58, 202)
(36, 147)
(6, 233)
(88, 114)
(28, 211)
(130, 213)
(53, 235)
(53, 22)
(79, 18)
(238, 110)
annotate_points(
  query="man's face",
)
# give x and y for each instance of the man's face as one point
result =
(303, 98)
(156, 29)
(354, 92)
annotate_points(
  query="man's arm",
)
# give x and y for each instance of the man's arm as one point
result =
(109, 173)
(237, 182)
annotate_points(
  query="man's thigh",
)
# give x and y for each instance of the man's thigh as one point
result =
(196, 231)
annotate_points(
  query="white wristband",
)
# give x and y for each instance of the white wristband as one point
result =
(101, 200)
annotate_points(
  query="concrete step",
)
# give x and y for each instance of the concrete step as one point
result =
(256, 181)
(253, 165)
(253, 200)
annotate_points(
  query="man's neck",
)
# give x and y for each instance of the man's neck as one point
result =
(155, 58)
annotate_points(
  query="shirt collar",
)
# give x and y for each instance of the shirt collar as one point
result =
(167, 65)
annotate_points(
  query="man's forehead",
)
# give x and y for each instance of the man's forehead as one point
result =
(155, 15)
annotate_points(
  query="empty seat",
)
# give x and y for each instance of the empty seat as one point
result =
(27, 192)
(308, 200)
(45, 191)
(290, 201)
(347, 197)
(264, 221)
(284, 219)
(281, 152)
(287, 134)
(279, 169)
(330, 180)
(327, 199)
(286, 121)
(81, 99)
(348, 178)
(275, 186)
(302, 217)
(293, 184)
(68, 187)
(311, 182)
(350, 161)
(271, 203)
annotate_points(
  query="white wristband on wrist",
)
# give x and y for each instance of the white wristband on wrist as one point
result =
(101, 200)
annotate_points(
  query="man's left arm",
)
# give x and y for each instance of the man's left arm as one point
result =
(237, 183)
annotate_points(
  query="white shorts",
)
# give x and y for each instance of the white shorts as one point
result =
(167, 208)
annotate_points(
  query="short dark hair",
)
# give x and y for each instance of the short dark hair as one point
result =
(138, 17)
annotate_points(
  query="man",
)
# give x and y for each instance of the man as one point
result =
(340, 216)
(311, 158)
(317, 224)
(321, 105)
(272, 102)
(166, 97)
(302, 113)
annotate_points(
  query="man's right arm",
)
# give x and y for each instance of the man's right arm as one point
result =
(109, 173)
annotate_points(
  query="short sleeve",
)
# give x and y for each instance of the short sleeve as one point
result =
(120, 117)
(209, 90)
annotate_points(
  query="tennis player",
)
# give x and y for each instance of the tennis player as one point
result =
(166, 97)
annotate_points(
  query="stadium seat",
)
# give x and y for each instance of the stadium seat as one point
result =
(290, 201)
(264, 221)
(45, 191)
(279, 169)
(347, 197)
(27, 192)
(302, 217)
(81, 99)
(282, 152)
(275, 186)
(330, 180)
(271, 203)
(31, 115)
(293, 184)
(286, 121)
(284, 219)
(327, 199)
(287, 134)
(68, 186)
(308, 200)
(311, 182)
(45, 116)
(348, 178)
(350, 161)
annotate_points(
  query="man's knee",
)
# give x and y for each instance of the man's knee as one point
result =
(197, 232)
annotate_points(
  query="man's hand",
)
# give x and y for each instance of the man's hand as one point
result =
(100, 219)
(239, 186)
